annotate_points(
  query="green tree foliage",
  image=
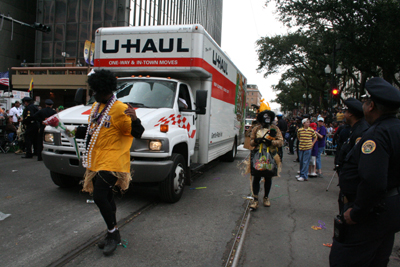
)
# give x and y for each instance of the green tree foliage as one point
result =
(363, 32)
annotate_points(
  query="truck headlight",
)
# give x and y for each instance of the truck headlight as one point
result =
(49, 138)
(155, 145)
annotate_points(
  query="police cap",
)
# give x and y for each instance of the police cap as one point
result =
(49, 102)
(26, 99)
(382, 92)
(354, 106)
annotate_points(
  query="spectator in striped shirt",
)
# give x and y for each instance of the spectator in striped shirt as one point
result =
(307, 139)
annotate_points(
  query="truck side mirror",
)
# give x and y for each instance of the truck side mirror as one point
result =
(201, 102)
(80, 96)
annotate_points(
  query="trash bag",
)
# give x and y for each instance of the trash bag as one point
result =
(263, 163)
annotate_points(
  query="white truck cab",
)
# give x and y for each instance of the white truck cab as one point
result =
(189, 96)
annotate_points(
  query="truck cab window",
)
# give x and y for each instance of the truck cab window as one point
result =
(184, 96)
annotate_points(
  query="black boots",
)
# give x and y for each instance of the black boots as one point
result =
(110, 243)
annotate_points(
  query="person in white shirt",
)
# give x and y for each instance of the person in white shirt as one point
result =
(16, 112)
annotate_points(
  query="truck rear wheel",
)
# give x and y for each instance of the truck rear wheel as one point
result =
(171, 189)
(64, 181)
(230, 156)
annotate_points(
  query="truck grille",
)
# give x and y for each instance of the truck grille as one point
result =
(65, 143)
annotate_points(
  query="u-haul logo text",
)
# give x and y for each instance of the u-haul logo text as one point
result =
(220, 63)
(149, 46)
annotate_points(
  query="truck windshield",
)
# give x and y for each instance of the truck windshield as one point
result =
(146, 94)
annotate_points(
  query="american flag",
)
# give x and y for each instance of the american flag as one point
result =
(4, 78)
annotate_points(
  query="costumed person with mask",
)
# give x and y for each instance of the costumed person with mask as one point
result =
(112, 127)
(264, 136)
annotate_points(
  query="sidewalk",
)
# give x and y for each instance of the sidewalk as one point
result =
(281, 235)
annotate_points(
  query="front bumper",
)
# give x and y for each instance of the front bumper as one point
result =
(63, 163)
(144, 171)
(150, 171)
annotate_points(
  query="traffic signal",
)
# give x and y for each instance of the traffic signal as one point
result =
(335, 93)
(41, 27)
(326, 96)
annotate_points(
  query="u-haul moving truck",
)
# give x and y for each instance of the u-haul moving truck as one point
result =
(175, 76)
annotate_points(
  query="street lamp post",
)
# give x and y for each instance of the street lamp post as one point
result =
(306, 97)
(328, 71)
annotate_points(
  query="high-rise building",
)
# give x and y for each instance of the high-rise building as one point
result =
(17, 42)
(75, 21)
(72, 22)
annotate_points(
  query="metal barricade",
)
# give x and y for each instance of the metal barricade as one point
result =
(329, 147)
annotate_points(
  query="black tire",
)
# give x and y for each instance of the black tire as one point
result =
(230, 156)
(64, 181)
(171, 189)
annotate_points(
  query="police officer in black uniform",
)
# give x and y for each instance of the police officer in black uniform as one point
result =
(32, 128)
(298, 126)
(354, 117)
(282, 125)
(40, 116)
(372, 171)
(292, 137)
(341, 135)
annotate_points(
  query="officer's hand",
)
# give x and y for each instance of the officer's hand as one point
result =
(258, 140)
(347, 217)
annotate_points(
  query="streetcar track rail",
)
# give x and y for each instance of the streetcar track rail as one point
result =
(234, 254)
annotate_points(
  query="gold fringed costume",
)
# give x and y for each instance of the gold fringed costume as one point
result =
(111, 152)
(123, 180)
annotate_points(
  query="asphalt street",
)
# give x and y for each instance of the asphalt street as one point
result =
(48, 223)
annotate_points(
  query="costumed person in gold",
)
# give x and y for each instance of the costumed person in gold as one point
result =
(112, 126)
(267, 136)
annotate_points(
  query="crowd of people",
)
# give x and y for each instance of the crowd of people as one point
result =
(23, 125)
(367, 151)
(310, 137)
(366, 135)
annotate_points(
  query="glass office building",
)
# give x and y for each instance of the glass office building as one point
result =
(73, 22)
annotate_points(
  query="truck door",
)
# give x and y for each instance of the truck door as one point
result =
(185, 104)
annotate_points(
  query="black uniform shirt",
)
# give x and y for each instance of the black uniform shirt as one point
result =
(27, 115)
(292, 129)
(43, 114)
(356, 133)
(282, 125)
(378, 154)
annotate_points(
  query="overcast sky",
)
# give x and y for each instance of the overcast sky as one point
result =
(243, 23)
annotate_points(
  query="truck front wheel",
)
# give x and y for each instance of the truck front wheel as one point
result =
(171, 189)
(64, 181)
(230, 156)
